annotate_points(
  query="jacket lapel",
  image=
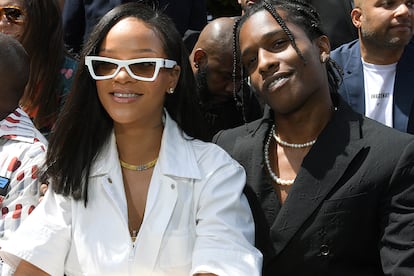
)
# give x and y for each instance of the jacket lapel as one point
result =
(403, 99)
(248, 150)
(335, 149)
(353, 83)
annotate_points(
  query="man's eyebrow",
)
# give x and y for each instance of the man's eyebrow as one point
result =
(266, 36)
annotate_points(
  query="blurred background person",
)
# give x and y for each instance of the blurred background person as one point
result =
(224, 101)
(22, 147)
(37, 25)
(80, 16)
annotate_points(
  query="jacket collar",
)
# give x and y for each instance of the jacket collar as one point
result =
(176, 157)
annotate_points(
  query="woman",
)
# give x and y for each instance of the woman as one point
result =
(334, 204)
(180, 212)
(37, 24)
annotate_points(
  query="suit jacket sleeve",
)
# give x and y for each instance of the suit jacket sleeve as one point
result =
(397, 218)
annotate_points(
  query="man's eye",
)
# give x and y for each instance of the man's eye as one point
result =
(250, 63)
(279, 43)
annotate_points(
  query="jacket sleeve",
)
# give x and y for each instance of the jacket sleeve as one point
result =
(397, 218)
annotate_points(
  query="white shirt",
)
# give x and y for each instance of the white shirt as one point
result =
(379, 90)
(196, 219)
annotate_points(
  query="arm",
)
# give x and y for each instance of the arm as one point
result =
(224, 223)
(20, 164)
(397, 217)
(36, 241)
(27, 269)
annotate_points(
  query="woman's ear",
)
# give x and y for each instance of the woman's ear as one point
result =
(174, 76)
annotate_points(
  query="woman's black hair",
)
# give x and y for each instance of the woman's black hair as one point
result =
(84, 126)
(299, 13)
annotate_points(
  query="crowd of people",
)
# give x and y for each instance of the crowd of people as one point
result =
(137, 138)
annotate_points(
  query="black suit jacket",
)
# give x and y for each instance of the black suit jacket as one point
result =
(351, 208)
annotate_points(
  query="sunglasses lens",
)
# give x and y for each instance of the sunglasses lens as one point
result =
(13, 15)
(103, 68)
(143, 69)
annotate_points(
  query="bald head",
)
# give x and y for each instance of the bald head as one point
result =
(216, 39)
(217, 34)
(212, 60)
(14, 72)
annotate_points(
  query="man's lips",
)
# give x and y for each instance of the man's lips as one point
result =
(275, 81)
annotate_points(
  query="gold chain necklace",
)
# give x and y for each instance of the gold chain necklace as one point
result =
(139, 168)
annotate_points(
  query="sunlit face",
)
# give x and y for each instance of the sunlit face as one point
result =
(388, 23)
(10, 27)
(127, 100)
(276, 71)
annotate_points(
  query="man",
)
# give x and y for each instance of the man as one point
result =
(22, 147)
(379, 66)
(212, 63)
(333, 205)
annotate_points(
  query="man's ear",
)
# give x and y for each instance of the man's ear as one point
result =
(324, 48)
(200, 58)
(356, 17)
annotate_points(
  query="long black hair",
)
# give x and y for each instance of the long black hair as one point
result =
(299, 13)
(84, 126)
(42, 38)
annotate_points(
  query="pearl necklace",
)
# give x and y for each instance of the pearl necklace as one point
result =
(286, 144)
(269, 169)
(139, 168)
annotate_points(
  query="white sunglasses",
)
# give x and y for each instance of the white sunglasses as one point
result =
(143, 69)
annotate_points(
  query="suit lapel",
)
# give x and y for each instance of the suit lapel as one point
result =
(248, 150)
(333, 152)
(354, 80)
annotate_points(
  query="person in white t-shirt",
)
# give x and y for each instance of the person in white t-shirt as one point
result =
(378, 67)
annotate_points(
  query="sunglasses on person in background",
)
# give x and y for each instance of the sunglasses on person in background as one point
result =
(14, 15)
(143, 69)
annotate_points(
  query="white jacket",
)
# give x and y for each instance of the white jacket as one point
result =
(196, 219)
